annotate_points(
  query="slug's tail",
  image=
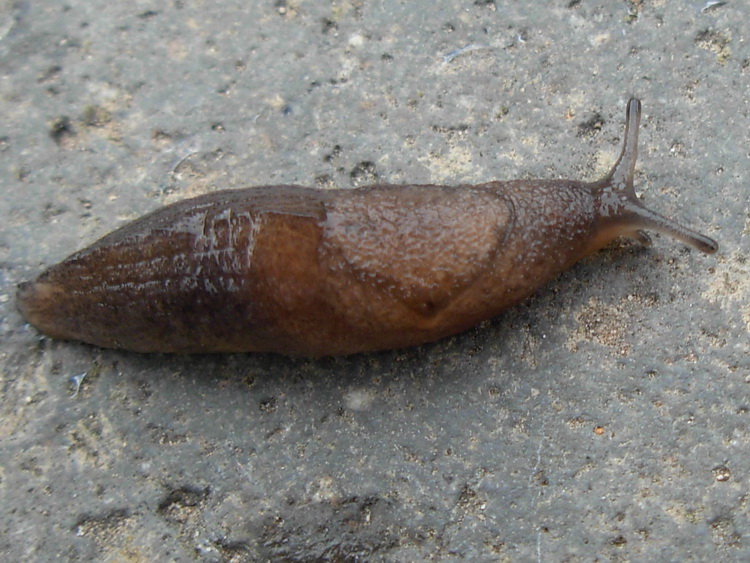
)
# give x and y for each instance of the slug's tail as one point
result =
(621, 213)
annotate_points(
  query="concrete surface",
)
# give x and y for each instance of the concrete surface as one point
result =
(605, 419)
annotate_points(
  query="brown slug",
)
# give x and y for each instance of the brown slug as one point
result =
(301, 271)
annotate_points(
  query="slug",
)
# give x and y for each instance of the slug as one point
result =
(310, 272)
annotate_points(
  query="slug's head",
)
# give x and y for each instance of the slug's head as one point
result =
(620, 212)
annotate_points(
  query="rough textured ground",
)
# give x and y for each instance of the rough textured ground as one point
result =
(604, 419)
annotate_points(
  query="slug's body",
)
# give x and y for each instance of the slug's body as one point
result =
(310, 272)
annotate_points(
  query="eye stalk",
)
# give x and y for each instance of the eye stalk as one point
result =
(621, 213)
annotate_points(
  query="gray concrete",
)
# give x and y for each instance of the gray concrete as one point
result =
(604, 419)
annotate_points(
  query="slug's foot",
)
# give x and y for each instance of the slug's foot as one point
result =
(643, 238)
